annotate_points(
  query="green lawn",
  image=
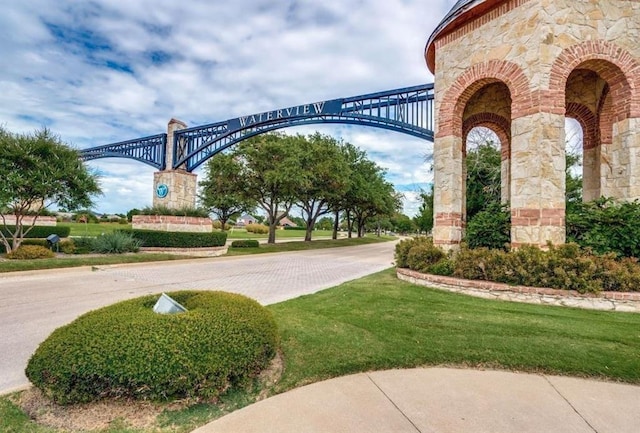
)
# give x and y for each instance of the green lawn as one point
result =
(75, 261)
(313, 245)
(379, 322)
(93, 229)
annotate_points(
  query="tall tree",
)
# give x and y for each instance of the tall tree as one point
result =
(325, 178)
(36, 171)
(372, 195)
(424, 219)
(221, 191)
(271, 174)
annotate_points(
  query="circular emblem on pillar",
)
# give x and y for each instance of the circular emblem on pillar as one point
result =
(162, 190)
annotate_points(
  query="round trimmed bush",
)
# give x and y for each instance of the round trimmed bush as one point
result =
(127, 350)
(27, 252)
(245, 243)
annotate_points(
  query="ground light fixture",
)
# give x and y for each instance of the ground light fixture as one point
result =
(168, 305)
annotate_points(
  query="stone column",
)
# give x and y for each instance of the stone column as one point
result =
(623, 171)
(505, 173)
(538, 180)
(448, 192)
(591, 178)
(174, 188)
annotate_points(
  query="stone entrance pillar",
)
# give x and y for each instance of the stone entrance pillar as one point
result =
(174, 189)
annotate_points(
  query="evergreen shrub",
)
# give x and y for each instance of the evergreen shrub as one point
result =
(38, 231)
(490, 228)
(153, 238)
(127, 351)
(245, 243)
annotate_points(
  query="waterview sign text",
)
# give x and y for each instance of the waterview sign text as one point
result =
(306, 110)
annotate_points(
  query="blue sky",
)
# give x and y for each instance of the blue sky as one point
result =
(97, 72)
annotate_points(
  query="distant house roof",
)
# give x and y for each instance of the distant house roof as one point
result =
(286, 222)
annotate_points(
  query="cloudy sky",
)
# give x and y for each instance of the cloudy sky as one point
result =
(103, 71)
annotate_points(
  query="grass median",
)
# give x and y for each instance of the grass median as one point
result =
(379, 322)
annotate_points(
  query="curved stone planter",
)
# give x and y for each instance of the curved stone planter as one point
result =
(612, 301)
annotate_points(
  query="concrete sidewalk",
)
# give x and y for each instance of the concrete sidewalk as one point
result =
(438, 400)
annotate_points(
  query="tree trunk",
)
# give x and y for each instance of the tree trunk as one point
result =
(272, 233)
(307, 235)
(336, 225)
(349, 224)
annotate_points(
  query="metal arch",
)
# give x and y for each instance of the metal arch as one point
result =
(408, 110)
(149, 150)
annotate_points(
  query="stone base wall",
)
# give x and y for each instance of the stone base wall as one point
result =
(168, 223)
(612, 301)
(28, 220)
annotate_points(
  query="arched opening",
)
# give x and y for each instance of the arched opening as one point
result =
(486, 139)
(574, 154)
(597, 96)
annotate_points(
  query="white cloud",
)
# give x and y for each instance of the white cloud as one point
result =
(106, 71)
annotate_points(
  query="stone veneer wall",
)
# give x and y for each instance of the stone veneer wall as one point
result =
(167, 223)
(28, 220)
(612, 301)
(533, 47)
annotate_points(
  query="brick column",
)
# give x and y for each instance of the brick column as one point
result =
(538, 180)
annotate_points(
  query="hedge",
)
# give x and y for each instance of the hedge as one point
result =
(153, 238)
(295, 228)
(38, 231)
(245, 243)
(127, 351)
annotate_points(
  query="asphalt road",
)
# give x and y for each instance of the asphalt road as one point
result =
(33, 304)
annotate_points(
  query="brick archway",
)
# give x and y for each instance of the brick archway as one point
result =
(472, 80)
(587, 120)
(498, 124)
(612, 63)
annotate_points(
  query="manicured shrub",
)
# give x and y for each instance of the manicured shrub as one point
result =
(27, 252)
(295, 228)
(152, 238)
(257, 228)
(39, 231)
(490, 228)
(566, 267)
(128, 351)
(245, 243)
(442, 267)
(403, 247)
(422, 256)
(116, 243)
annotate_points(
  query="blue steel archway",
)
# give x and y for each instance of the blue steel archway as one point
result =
(149, 150)
(408, 110)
